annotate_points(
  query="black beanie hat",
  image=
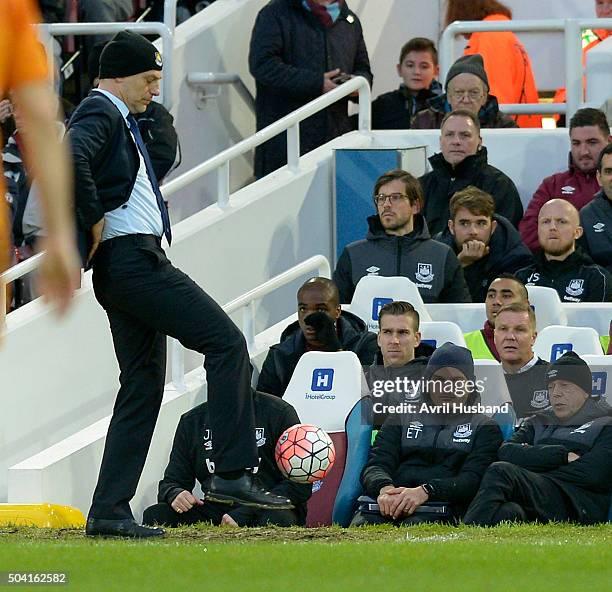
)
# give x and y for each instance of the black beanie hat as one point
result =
(572, 368)
(127, 54)
(470, 64)
(450, 355)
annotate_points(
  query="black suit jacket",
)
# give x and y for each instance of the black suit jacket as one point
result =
(105, 162)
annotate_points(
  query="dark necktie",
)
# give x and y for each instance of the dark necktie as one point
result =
(151, 174)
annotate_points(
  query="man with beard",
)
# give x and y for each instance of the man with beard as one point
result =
(558, 465)
(589, 133)
(505, 289)
(398, 244)
(486, 244)
(561, 265)
(515, 334)
(462, 161)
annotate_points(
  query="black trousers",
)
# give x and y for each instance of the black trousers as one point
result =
(164, 515)
(514, 494)
(147, 298)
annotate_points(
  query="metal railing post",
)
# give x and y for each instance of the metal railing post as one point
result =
(248, 324)
(573, 68)
(365, 109)
(177, 361)
(170, 15)
(223, 185)
(293, 148)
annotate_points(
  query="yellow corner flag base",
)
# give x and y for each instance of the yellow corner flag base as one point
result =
(41, 515)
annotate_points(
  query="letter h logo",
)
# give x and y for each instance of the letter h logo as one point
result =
(377, 304)
(558, 349)
(322, 379)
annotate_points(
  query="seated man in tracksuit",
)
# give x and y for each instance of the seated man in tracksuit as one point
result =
(505, 289)
(190, 459)
(433, 455)
(322, 325)
(401, 361)
(398, 244)
(558, 464)
(562, 264)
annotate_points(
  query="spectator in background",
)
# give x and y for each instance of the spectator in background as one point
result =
(321, 326)
(590, 39)
(596, 217)
(589, 133)
(561, 265)
(299, 51)
(463, 162)
(558, 465)
(506, 61)
(467, 87)
(418, 458)
(486, 244)
(156, 124)
(418, 69)
(191, 458)
(504, 290)
(398, 244)
(104, 11)
(515, 334)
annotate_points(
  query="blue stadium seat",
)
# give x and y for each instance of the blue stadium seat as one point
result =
(359, 434)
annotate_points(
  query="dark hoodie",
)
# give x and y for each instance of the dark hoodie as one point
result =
(437, 107)
(542, 445)
(444, 181)
(431, 265)
(283, 357)
(576, 278)
(596, 219)
(395, 109)
(507, 253)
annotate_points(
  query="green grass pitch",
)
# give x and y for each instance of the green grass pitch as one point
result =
(381, 559)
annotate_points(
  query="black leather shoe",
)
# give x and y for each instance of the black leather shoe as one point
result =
(127, 528)
(244, 491)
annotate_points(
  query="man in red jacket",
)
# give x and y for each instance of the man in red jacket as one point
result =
(589, 135)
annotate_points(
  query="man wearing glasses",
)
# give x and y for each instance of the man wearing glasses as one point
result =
(467, 87)
(398, 243)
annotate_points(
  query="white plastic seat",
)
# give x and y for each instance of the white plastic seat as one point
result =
(373, 292)
(552, 342)
(324, 388)
(601, 368)
(495, 388)
(438, 332)
(547, 306)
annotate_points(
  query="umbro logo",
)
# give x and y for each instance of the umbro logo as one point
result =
(568, 190)
(373, 270)
(599, 227)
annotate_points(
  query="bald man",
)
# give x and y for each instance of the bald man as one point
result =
(561, 265)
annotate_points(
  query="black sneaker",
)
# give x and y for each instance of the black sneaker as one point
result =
(127, 528)
(244, 491)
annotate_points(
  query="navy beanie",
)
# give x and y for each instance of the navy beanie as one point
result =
(571, 368)
(127, 54)
(450, 355)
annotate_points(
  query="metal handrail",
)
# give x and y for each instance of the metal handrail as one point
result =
(290, 124)
(247, 303)
(221, 160)
(170, 15)
(196, 79)
(142, 28)
(573, 55)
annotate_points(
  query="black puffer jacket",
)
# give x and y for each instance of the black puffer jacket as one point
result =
(417, 449)
(542, 445)
(431, 265)
(576, 278)
(444, 181)
(437, 107)
(507, 253)
(283, 357)
(289, 53)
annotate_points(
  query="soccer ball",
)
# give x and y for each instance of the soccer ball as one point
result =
(305, 453)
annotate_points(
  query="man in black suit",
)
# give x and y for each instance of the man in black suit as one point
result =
(122, 217)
